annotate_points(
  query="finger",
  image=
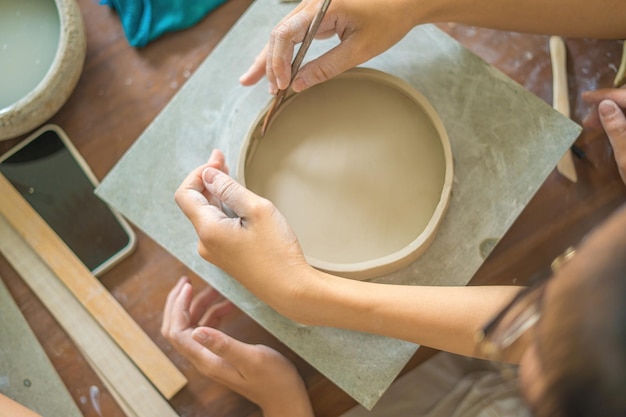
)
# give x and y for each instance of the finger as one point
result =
(218, 358)
(233, 351)
(269, 71)
(327, 66)
(201, 303)
(218, 161)
(614, 123)
(169, 302)
(180, 317)
(241, 200)
(617, 95)
(283, 39)
(213, 316)
(190, 197)
(256, 70)
(592, 119)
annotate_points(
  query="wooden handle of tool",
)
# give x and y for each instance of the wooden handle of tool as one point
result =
(96, 299)
(560, 100)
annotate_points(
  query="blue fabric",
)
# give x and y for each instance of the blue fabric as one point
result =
(146, 20)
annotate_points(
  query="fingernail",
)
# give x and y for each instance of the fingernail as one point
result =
(299, 84)
(200, 336)
(607, 108)
(209, 175)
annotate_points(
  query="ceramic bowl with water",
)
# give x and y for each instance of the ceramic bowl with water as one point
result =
(42, 51)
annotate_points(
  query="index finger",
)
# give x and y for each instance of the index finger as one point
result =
(191, 198)
(283, 38)
(617, 95)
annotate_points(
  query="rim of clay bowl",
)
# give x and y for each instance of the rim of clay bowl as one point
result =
(41, 103)
(401, 258)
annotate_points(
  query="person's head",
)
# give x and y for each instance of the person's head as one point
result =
(575, 365)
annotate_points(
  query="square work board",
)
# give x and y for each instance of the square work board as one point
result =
(505, 142)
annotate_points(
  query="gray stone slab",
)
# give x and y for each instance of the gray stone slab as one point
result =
(26, 374)
(505, 142)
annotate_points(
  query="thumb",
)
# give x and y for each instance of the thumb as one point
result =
(219, 343)
(238, 198)
(216, 360)
(614, 123)
(327, 66)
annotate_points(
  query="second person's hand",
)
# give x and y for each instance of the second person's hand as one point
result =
(607, 112)
(258, 372)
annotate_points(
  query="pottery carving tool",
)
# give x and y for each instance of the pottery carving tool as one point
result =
(560, 100)
(295, 65)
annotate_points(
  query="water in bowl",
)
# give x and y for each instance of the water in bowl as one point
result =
(29, 39)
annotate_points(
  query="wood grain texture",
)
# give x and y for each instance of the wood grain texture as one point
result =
(27, 375)
(560, 99)
(89, 291)
(122, 89)
(132, 390)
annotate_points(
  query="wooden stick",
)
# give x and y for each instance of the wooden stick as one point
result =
(129, 387)
(89, 291)
(620, 77)
(560, 99)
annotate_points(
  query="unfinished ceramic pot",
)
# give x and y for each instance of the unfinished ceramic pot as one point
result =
(360, 166)
(42, 50)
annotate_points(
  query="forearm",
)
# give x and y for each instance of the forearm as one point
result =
(292, 404)
(573, 18)
(444, 318)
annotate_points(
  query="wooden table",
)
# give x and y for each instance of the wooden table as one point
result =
(122, 89)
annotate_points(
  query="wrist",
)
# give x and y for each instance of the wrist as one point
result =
(302, 299)
(322, 299)
(292, 400)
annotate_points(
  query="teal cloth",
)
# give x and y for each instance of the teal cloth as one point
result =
(146, 20)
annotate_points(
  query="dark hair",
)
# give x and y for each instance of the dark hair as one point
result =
(584, 358)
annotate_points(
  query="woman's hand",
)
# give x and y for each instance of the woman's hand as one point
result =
(608, 113)
(257, 246)
(257, 372)
(365, 29)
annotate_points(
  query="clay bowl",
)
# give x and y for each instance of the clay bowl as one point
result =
(360, 166)
(42, 53)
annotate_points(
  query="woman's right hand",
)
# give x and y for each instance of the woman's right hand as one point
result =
(365, 29)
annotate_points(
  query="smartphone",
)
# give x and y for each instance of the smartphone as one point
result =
(55, 180)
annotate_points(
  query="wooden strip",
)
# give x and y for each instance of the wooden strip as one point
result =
(560, 100)
(133, 391)
(24, 360)
(89, 291)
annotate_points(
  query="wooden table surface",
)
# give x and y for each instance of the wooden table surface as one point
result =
(122, 89)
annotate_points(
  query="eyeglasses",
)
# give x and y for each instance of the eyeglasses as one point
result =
(520, 315)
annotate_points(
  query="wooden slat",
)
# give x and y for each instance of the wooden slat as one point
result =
(90, 292)
(126, 383)
(24, 359)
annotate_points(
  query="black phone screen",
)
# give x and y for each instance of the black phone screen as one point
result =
(48, 176)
